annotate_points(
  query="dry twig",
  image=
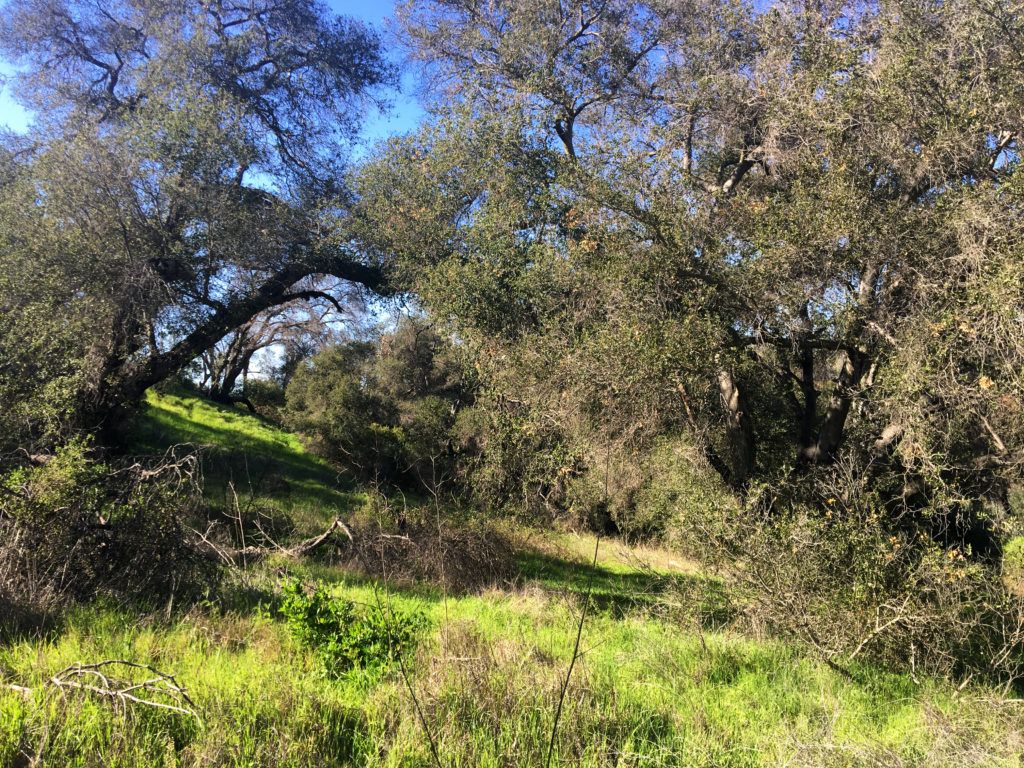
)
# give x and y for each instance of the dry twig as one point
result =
(232, 555)
(160, 685)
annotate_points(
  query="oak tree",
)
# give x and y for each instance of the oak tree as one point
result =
(181, 177)
(791, 232)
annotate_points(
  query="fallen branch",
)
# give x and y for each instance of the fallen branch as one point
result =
(125, 693)
(232, 555)
(309, 546)
(879, 627)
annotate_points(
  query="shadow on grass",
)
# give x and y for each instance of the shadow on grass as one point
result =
(248, 599)
(620, 593)
(19, 622)
(245, 452)
(613, 591)
(623, 593)
(253, 474)
(326, 567)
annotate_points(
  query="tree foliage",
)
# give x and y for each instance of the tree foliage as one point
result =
(789, 236)
(385, 409)
(181, 178)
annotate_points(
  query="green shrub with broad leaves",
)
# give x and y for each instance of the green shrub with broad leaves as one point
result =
(344, 637)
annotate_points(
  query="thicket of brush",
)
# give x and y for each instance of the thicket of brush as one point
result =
(861, 557)
(75, 527)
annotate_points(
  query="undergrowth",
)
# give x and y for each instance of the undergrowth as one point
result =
(344, 637)
(488, 676)
(286, 677)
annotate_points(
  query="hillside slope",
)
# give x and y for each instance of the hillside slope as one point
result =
(246, 459)
(482, 678)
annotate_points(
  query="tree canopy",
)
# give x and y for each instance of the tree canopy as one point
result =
(182, 177)
(791, 234)
(786, 238)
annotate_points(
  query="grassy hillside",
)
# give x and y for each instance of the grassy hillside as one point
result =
(485, 674)
(246, 459)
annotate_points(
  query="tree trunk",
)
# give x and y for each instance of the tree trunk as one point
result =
(739, 430)
(854, 374)
(808, 411)
(704, 445)
(126, 380)
(833, 424)
(222, 390)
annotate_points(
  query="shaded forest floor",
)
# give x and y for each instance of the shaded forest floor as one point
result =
(484, 677)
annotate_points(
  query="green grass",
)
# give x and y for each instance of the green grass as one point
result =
(247, 457)
(487, 671)
(488, 674)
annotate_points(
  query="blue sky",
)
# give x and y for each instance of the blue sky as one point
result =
(403, 117)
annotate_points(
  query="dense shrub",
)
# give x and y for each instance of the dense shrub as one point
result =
(511, 463)
(682, 501)
(666, 493)
(266, 397)
(328, 401)
(384, 410)
(852, 585)
(74, 527)
(344, 637)
(461, 558)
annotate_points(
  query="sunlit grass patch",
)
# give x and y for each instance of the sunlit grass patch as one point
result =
(247, 460)
(487, 674)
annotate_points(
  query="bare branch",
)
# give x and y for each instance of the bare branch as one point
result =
(160, 685)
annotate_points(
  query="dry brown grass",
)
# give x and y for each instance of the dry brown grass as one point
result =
(461, 559)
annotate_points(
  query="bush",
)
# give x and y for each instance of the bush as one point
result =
(513, 463)
(461, 557)
(344, 638)
(427, 424)
(329, 401)
(267, 397)
(851, 584)
(357, 405)
(74, 527)
(667, 494)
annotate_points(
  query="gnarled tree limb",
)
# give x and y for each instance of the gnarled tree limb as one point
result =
(233, 555)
